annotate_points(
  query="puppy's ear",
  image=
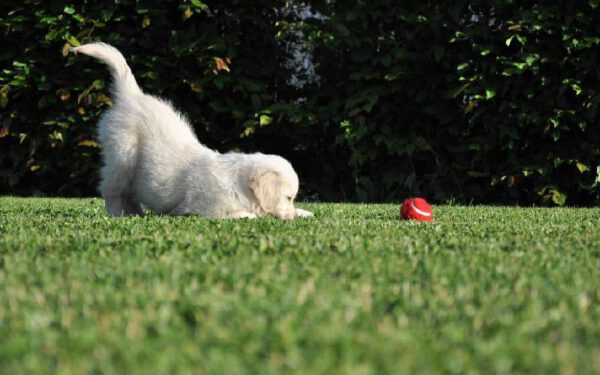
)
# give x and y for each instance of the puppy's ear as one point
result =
(267, 190)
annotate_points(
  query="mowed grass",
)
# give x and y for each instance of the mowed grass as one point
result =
(351, 291)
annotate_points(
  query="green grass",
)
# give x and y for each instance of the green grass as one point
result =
(351, 291)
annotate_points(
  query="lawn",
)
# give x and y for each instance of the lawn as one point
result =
(351, 291)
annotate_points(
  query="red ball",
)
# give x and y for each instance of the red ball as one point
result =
(416, 209)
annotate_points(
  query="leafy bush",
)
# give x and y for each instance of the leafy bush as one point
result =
(485, 101)
(206, 60)
(474, 101)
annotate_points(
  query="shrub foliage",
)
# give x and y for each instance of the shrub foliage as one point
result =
(474, 101)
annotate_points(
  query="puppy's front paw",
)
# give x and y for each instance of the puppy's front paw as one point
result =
(303, 213)
(241, 215)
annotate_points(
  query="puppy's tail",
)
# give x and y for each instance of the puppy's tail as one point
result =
(124, 81)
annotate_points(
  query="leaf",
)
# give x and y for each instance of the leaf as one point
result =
(221, 64)
(196, 87)
(73, 41)
(103, 99)
(489, 94)
(218, 106)
(438, 53)
(477, 174)
(98, 84)
(470, 106)
(512, 180)
(453, 93)
(459, 35)
(529, 60)
(558, 198)
(199, 4)
(85, 95)
(551, 193)
(63, 94)
(88, 143)
(3, 132)
(4, 96)
(265, 120)
(509, 40)
(582, 167)
(66, 49)
(247, 132)
(510, 71)
(218, 83)
(187, 13)
(351, 16)
(463, 66)
(56, 136)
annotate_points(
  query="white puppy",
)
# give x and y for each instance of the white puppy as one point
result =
(151, 156)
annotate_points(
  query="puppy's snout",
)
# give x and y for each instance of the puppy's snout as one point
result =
(287, 214)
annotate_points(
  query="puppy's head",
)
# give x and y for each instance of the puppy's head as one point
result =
(274, 184)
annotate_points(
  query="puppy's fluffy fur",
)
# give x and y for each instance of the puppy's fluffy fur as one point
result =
(151, 156)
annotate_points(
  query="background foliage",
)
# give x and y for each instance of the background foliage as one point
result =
(491, 101)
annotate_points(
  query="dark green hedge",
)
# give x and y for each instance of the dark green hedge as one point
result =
(473, 101)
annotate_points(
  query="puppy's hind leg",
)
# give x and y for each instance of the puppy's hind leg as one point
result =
(133, 207)
(117, 177)
(115, 205)
(122, 205)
